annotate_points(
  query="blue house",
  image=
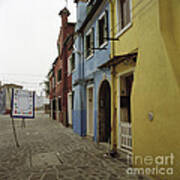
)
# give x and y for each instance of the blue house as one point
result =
(91, 84)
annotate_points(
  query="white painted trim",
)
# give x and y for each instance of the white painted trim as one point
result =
(126, 72)
(89, 57)
(121, 31)
(69, 93)
(100, 17)
(70, 106)
(102, 14)
(69, 63)
(126, 151)
(88, 32)
(104, 44)
(90, 86)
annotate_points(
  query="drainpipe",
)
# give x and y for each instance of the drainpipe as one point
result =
(82, 84)
(113, 92)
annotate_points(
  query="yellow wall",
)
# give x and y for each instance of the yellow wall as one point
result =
(155, 32)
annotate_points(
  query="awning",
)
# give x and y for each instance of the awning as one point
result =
(119, 59)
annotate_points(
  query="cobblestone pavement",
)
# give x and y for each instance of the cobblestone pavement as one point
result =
(49, 151)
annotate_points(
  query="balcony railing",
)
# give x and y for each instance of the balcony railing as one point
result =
(126, 137)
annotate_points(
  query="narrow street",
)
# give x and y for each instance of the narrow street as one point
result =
(48, 151)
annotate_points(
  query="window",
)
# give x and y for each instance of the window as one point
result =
(102, 29)
(71, 63)
(123, 13)
(59, 104)
(59, 75)
(89, 43)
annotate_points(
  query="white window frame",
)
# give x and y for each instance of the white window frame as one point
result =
(87, 34)
(100, 17)
(121, 31)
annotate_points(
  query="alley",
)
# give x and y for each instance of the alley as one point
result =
(48, 151)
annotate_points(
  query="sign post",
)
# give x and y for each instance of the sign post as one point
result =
(22, 106)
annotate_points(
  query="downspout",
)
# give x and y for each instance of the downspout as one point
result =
(82, 84)
(113, 91)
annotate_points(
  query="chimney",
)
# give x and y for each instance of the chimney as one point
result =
(64, 13)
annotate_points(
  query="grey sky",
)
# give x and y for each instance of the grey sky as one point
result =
(28, 35)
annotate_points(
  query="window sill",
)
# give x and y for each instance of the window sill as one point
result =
(122, 31)
(89, 57)
(103, 45)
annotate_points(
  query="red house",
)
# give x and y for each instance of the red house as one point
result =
(60, 77)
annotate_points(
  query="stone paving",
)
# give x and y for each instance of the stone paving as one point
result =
(49, 151)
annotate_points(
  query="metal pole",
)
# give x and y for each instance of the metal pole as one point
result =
(15, 135)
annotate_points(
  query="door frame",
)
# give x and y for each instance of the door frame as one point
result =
(98, 111)
(119, 75)
(87, 114)
(70, 94)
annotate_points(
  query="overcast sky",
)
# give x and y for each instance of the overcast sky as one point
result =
(28, 35)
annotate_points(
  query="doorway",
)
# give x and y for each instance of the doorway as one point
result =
(125, 89)
(105, 112)
(90, 111)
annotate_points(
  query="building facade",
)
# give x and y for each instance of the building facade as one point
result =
(145, 75)
(91, 85)
(52, 94)
(60, 77)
